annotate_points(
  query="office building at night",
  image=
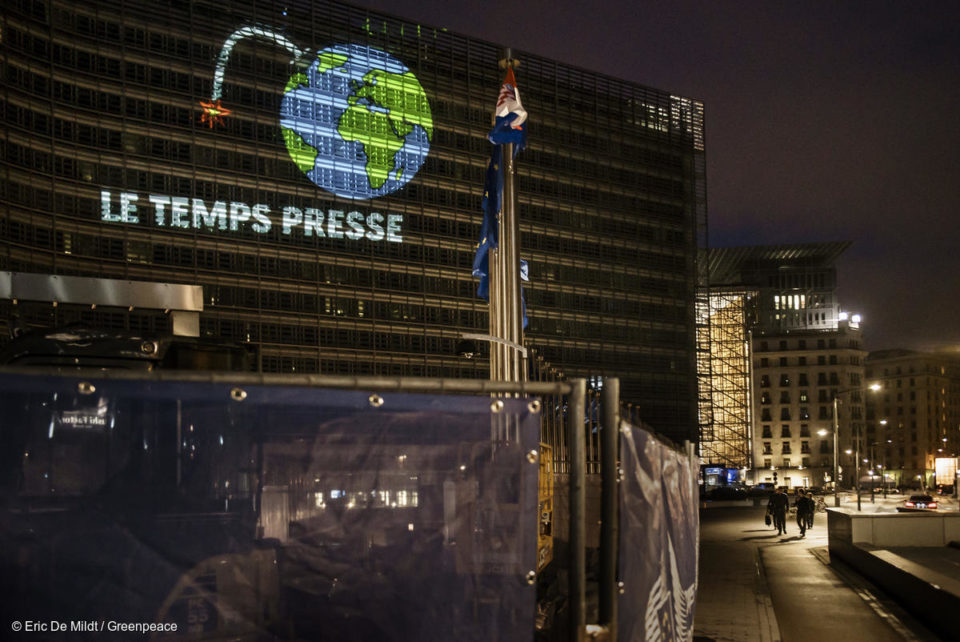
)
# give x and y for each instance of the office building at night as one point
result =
(318, 168)
(796, 352)
(914, 419)
(796, 379)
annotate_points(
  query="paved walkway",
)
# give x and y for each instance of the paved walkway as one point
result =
(757, 586)
(733, 601)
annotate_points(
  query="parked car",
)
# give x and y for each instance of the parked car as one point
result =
(760, 490)
(918, 503)
(726, 493)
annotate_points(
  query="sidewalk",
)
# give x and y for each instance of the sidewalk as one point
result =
(813, 603)
(757, 586)
(733, 600)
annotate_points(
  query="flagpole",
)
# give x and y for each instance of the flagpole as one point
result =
(493, 284)
(497, 275)
(497, 261)
(510, 260)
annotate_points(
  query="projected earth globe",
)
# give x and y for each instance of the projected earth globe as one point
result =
(356, 122)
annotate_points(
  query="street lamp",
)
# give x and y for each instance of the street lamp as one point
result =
(883, 422)
(873, 465)
(836, 430)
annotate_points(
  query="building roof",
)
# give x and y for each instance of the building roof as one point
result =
(901, 353)
(727, 263)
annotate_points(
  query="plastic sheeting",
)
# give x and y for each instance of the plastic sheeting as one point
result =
(270, 512)
(659, 539)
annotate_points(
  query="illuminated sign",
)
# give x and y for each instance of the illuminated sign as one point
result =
(82, 419)
(233, 216)
(946, 470)
(355, 120)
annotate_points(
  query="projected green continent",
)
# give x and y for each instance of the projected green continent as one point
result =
(357, 122)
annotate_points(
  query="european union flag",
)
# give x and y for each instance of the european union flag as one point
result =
(489, 228)
(510, 127)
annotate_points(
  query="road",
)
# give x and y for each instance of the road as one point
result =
(756, 585)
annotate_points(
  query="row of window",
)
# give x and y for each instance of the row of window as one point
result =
(429, 56)
(822, 360)
(805, 280)
(823, 379)
(801, 344)
(398, 344)
(785, 431)
(786, 448)
(823, 396)
(929, 368)
(788, 463)
(199, 259)
(403, 348)
(803, 414)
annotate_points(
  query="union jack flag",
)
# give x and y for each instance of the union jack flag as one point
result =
(510, 125)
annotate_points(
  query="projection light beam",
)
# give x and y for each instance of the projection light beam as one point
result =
(213, 111)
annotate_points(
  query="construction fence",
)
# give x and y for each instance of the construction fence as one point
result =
(206, 505)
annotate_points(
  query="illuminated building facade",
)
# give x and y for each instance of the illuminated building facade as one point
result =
(803, 351)
(725, 439)
(317, 168)
(914, 418)
(796, 377)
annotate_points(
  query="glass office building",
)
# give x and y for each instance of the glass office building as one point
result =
(318, 169)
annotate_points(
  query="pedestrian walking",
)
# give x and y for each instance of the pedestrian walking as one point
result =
(813, 509)
(805, 508)
(777, 507)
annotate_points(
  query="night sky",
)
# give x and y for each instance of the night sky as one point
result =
(825, 121)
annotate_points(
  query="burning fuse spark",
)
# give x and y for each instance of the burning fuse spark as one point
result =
(213, 112)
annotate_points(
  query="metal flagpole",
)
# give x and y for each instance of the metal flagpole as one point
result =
(502, 301)
(493, 282)
(509, 240)
(494, 310)
(509, 230)
(507, 355)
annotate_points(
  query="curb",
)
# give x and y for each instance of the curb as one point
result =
(769, 628)
(889, 610)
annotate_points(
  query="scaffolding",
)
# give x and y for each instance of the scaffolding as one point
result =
(724, 381)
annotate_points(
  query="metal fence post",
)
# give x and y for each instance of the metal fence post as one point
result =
(610, 524)
(576, 441)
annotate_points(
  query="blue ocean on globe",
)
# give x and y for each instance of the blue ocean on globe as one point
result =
(357, 122)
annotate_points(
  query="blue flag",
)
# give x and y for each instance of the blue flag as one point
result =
(510, 127)
(490, 227)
